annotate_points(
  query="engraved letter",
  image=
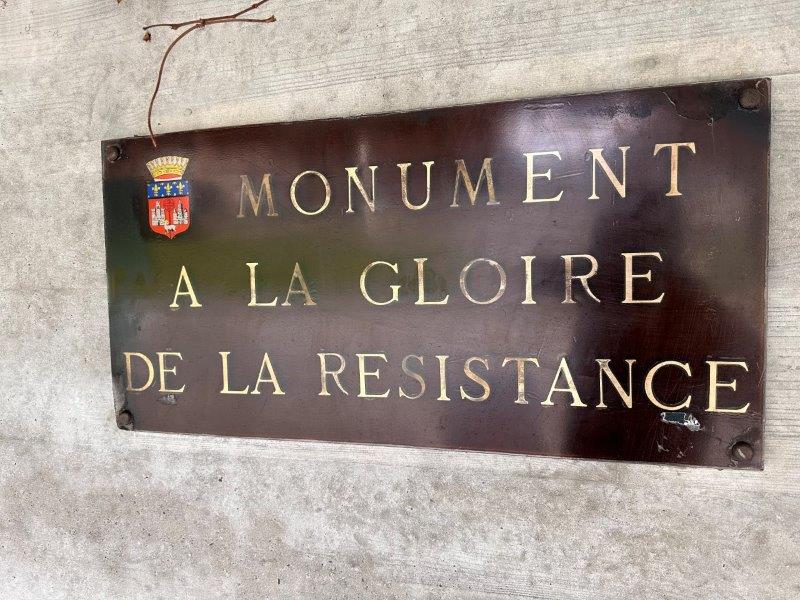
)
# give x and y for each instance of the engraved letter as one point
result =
(413, 375)
(501, 288)
(442, 377)
(363, 284)
(630, 276)
(129, 371)
(520, 360)
(648, 384)
(324, 372)
(584, 279)
(563, 368)
(163, 370)
(597, 158)
(476, 378)
(273, 379)
(528, 260)
(352, 177)
(253, 300)
(183, 278)
(293, 192)
(225, 381)
(298, 277)
(627, 397)
(421, 285)
(255, 203)
(472, 190)
(363, 374)
(673, 163)
(531, 176)
(713, 384)
(404, 184)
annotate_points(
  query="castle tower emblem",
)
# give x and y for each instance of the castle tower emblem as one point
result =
(168, 196)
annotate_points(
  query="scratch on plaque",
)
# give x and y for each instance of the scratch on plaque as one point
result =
(168, 399)
(545, 105)
(575, 174)
(697, 108)
(675, 106)
(671, 101)
(682, 419)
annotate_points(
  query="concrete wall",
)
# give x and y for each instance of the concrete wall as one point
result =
(88, 511)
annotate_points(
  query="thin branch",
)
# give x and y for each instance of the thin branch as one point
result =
(158, 80)
(211, 20)
(193, 25)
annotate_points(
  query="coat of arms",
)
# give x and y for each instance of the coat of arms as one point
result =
(168, 196)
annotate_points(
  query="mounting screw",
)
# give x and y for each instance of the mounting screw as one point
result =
(113, 153)
(742, 452)
(750, 98)
(125, 420)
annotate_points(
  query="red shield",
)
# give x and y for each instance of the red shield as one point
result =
(168, 196)
(169, 216)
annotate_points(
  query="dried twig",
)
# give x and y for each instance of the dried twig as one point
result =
(192, 25)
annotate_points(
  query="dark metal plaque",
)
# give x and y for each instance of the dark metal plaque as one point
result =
(580, 276)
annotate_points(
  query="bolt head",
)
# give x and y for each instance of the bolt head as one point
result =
(113, 153)
(750, 98)
(742, 452)
(125, 420)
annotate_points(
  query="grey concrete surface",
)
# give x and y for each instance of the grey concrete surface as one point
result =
(87, 511)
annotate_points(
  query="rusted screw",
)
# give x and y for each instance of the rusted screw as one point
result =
(742, 452)
(750, 98)
(113, 152)
(125, 420)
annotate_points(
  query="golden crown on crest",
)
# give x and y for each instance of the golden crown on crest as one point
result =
(167, 167)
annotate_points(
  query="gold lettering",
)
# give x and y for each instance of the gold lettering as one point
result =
(674, 149)
(163, 371)
(462, 281)
(226, 389)
(476, 378)
(630, 276)
(421, 285)
(324, 372)
(404, 184)
(531, 176)
(597, 158)
(253, 297)
(363, 285)
(255, 203)
(714, 384)
(584, 279)
(266, 363)
(298, 277)
(183, 278)
(129, 371)
(528, 260)
(563, 369)
(363, 374)
(352, 177)
(648, 384)
(442, 377)
(293, 193)
(520, 360)
(416, 376)
(472, 190)
(627, 396)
